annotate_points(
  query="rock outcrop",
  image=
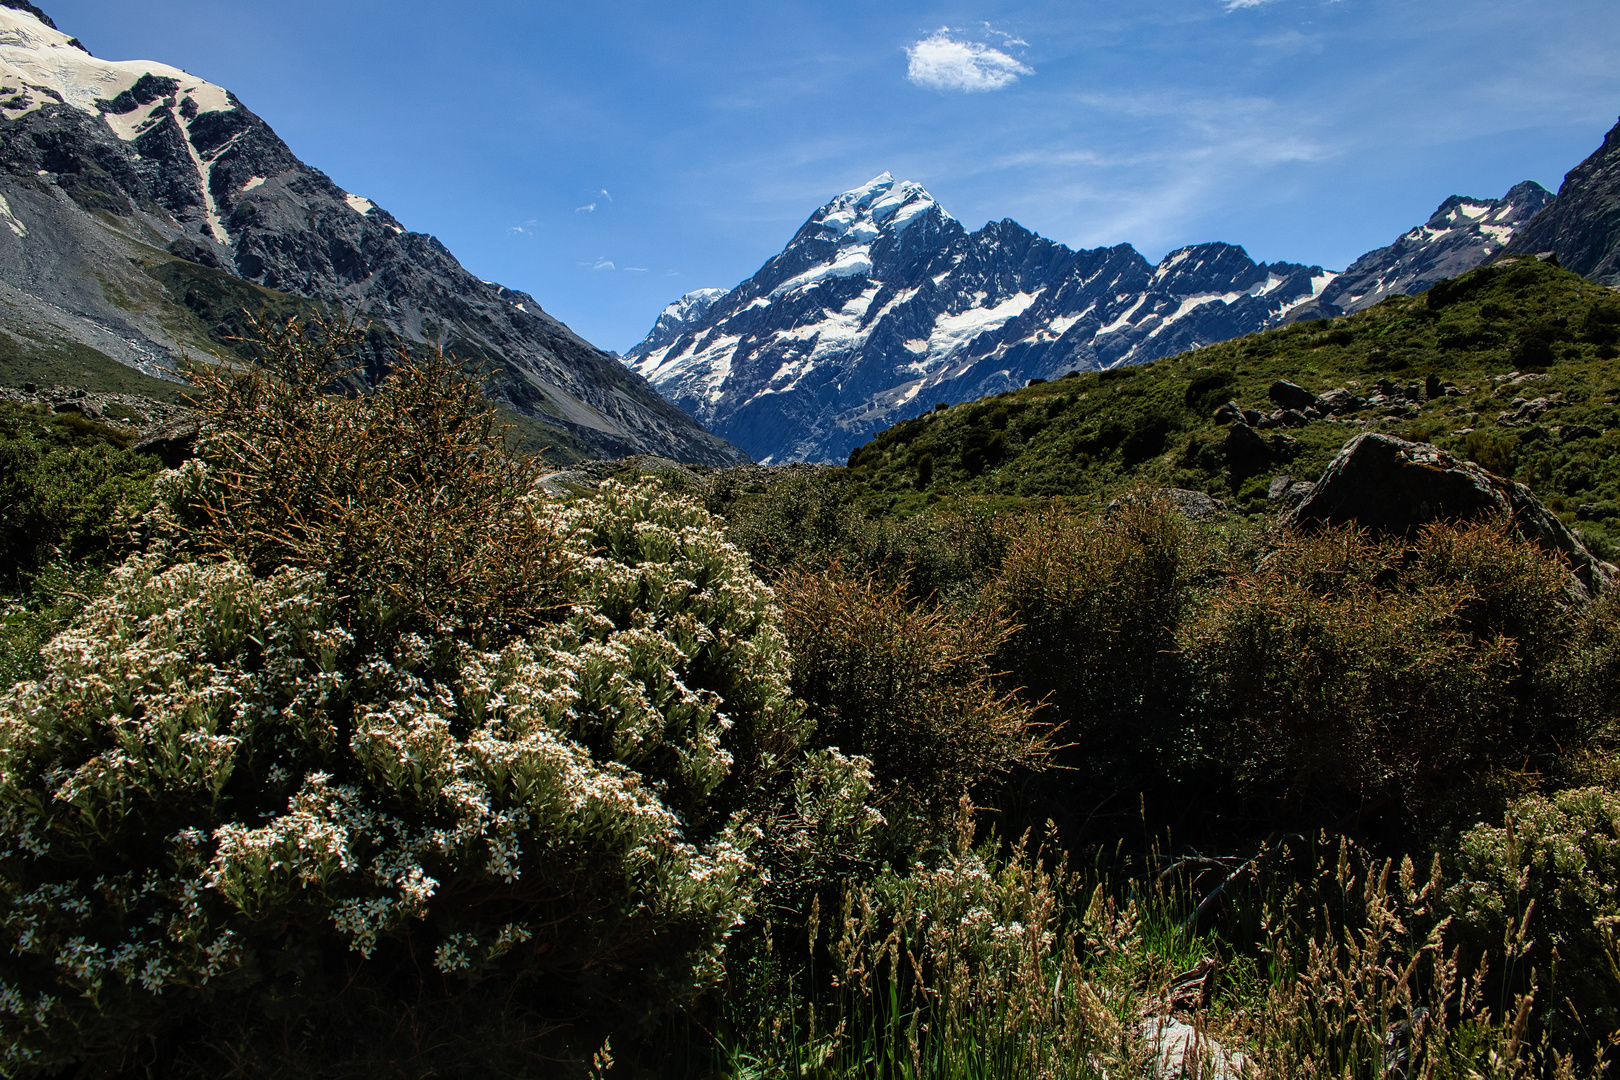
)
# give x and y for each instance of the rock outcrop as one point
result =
(1582, 225)
(1391, 486)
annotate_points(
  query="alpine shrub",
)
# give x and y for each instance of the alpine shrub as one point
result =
(1385, 671)
(907, 688)
(289, 794)
(1550, 870)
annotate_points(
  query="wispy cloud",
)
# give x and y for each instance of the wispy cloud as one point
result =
(1006, 38)
(942, 62)
(1233, 5)
(588, 208)
(602, 262)
(527, 228)
(1289, 42)
(635, 269)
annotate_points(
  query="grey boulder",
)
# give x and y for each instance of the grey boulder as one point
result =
(1393, 487)
(1289, 395)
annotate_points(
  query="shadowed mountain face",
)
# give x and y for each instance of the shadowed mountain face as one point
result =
(883, 305)
(141, 207)
(1582, 225)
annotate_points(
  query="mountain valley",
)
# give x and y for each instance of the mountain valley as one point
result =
(145, 209)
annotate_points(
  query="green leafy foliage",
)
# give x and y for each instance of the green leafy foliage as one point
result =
(1553, 866)
(70, 489)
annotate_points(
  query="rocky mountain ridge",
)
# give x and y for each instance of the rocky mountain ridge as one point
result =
(1582, 224)
(1462, 234)
(883, 304)
(141, 205)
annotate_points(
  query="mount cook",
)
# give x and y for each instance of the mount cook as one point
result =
(883, 303)
(141, 206)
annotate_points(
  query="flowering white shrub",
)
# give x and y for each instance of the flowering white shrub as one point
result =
(214, 776)
(1550, 872)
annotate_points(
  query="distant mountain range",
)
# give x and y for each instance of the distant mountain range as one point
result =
(141, 207)
(883, 304)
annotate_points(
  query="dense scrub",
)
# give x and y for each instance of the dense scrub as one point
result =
(70, 490)
(288, 784)
(368, 758)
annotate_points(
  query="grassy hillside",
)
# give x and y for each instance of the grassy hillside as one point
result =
(1496, 335)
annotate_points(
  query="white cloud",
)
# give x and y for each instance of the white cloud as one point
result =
(528, 228)
(635, 269)
(604, 194)
(1233, 5)
(602, 263)
(941, 62)
(588, 208)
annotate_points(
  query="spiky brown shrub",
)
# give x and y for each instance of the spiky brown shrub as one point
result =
(1381, 670)
(907, 687)
(1098, 601)
(402, 495)
(1587, 690)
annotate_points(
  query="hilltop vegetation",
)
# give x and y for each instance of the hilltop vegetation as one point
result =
(1492, 337)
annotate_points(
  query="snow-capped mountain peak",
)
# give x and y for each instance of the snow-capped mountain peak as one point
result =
(1462, 233)
(681, 315)
(881, 204)
(882, 304)
(39, 65)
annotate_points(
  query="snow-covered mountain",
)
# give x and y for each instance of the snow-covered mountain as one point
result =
(141, 207)
(1462, 234)
(883, 304)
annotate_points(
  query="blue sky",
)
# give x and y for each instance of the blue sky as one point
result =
(610, 156)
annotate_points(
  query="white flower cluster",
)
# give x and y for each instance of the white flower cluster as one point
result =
(210, 759)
